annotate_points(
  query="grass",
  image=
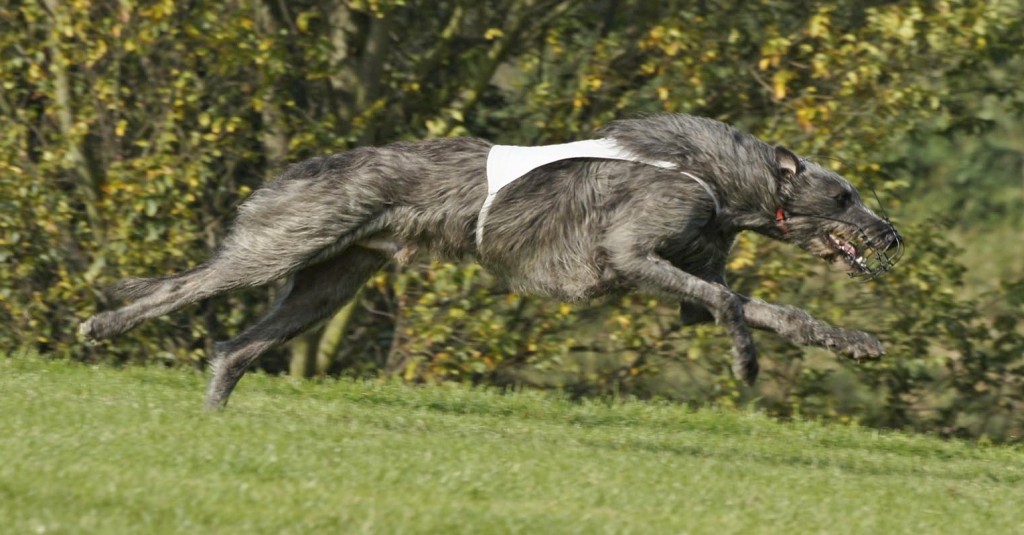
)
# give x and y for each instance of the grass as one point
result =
(97, 450)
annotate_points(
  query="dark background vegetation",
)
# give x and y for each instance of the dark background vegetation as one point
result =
(129, 132)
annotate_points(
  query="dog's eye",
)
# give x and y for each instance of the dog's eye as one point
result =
(843, 199)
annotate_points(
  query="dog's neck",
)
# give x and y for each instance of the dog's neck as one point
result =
(747, 189)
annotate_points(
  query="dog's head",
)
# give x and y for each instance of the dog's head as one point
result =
(822, 213)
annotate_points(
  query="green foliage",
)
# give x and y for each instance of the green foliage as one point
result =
(91, 449)
(454, 326)
(130, 130)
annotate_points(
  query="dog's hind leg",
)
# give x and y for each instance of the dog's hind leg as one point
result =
(311, 295)
(159, 296)
(278, 231)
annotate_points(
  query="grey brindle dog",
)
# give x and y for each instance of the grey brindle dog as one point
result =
(572, 230)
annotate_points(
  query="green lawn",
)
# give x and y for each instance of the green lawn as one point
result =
(97, 450)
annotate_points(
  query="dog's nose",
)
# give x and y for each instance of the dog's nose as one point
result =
(891, 238)
(891, 249)
(884, 234)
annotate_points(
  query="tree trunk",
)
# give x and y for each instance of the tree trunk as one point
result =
(274, 136)
(87, 185)
(343, 79)
(303, 355)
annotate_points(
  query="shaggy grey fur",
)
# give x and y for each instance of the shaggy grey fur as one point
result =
(572, 230)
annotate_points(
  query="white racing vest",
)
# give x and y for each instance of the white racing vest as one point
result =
(506, 163)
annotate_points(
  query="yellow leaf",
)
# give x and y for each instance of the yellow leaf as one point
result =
(779, 81)
(805, 117)
(302, 21)
(818, 25)
(410, 369)
(98, 53)
(34, 72)
(493, 33)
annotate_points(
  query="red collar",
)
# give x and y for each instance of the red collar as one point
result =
(780, 218)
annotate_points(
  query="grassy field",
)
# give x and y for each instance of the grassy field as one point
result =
(97, 450)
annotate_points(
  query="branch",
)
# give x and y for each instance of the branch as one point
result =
(520, 13)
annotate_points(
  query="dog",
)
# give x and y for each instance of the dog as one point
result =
(659, 216)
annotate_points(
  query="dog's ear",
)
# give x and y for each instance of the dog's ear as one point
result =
(789, 164)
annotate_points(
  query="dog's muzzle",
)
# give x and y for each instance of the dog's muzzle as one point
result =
(879, 256)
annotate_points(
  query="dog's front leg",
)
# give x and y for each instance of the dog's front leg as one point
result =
(657, 274)
(801, 328)
(797, 326)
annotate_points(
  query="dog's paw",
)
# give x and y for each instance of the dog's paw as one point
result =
(861, 346)
(744, 363)
(95, 328)
(746, 371)
(85, 330)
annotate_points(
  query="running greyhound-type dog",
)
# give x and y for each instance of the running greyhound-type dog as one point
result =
(654, 205)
